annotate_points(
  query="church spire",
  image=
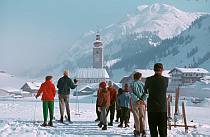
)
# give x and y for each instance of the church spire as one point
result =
(98, 36)
(98, 56)
(98, 42)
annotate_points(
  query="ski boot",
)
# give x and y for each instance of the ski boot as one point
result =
(100, 124)
(69, 120)
(61, 119)
(120, 125)
(44, 124)
(50, 123)
(136, 133)
(110, 124)
(97, 120)
(143, 133)
(104, 127)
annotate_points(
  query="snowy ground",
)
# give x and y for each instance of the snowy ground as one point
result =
(17, 119)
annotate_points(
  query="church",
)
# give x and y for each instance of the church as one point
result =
(97, 73)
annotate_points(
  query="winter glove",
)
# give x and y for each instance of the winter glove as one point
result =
(36, 96)
(140, 103)
(75, 80)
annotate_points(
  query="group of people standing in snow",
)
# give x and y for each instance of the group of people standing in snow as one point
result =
(135, 97)
(48, 92)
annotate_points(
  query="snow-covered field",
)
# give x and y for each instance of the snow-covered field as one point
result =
(22, 117)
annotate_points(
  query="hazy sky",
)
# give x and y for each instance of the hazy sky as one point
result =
(33, 33)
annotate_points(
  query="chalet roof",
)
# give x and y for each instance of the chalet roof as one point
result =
(33, 85)
(148, 72)
(191, 70)
(87, 88)
(91, 73)
(117, 85)
(124, 79)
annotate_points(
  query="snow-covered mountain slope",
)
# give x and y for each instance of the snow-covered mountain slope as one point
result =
(191, 48)
(162, 19)
(159, 19)
(9, 82)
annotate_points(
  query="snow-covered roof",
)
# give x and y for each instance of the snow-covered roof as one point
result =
(205, 79)
(34, 85)
(117, 85)
(91, 73)
(148, 72)
(191, 70)
(124, 79)
(87, 88)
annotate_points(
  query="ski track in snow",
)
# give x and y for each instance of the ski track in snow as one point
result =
(17, 119)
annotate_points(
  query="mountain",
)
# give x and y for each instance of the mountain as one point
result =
(163, 20)
(150, 23)
(189, 49)
(9, 81)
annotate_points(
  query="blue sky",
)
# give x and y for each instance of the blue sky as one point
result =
(34, 31)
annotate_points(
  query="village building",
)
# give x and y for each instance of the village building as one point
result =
(97, 73)
(186, 76)
(92, 75)
(31, 87)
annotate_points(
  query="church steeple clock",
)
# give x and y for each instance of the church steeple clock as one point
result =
(98, 52)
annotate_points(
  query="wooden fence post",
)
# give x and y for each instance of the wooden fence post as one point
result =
(184, 116)
(176, 106)
(177, 101)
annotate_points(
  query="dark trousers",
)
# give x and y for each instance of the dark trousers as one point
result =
(112, 112)
(157, 123)
(129, 115)
(98, 113)
(125, 113)
(118, 114)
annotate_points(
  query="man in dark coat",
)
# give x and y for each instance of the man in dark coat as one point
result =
(156, 87)
(64, 85)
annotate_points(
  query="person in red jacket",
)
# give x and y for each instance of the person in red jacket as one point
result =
(113, 98)
(103, 103)
(48, 91)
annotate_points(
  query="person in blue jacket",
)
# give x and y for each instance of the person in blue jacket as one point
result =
(138, 105)
(124, 103)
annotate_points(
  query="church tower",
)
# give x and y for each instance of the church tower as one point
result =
(98, 57)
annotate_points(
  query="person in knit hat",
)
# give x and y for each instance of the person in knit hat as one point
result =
(103, 103)
(48, 91)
